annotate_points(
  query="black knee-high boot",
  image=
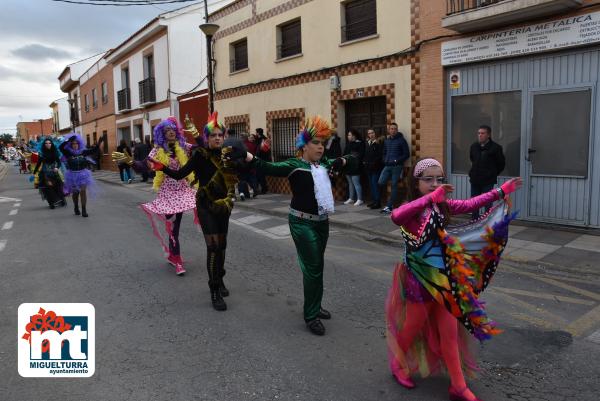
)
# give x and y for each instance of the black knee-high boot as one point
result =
(214, 279)
(76, 203)
(222, 288)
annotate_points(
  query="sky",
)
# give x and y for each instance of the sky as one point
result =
(39, 38)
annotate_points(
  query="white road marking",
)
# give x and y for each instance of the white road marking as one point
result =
(594, 337)
(4, 199)
(8, 225)
(2, 244)
(258, 230)
(13, 212)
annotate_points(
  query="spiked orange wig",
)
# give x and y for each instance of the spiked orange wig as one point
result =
(314, 127)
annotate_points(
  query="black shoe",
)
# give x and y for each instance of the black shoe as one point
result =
(316, 327)
(224, 290)
(375, 206)
(324, 314)
(52, 206)
(83, 212)
(217, 300)
(77, 212)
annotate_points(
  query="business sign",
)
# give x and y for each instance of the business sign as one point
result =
(545, 36)
(56, 340)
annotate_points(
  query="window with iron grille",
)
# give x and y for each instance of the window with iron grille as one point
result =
(104, 92)
(291, 39)
(238, 55)
(87, 102)
(360, 19)
(236, 129)
(284, 137)
(94, 99)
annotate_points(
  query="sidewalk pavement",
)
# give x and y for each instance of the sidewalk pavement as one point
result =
(548, 245)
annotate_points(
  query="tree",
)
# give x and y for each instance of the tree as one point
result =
(6, 138)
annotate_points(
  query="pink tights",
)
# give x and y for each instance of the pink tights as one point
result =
(447, 326)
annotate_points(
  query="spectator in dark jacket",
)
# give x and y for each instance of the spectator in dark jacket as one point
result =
(395, 154)
(487, 162)
(124, 169)
(264, 153)
(140, 152)
(355, 147)
(333, 149)
(373, 163)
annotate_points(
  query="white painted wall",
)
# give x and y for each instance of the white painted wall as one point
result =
(64, 118)
(136, 72)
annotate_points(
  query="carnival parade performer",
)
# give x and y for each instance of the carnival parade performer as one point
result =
(312, 202)
(214, 201)
(174, 197)
(433, 303)
(78, 177)
(47, 175)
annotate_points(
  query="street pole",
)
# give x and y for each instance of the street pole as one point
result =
(210, 73)
(209, 30)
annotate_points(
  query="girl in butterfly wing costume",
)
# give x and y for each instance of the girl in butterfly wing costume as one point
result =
(438, 285)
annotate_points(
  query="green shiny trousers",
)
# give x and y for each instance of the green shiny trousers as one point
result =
(310, 238)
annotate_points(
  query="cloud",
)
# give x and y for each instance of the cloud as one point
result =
(37, 52)
(27, 75)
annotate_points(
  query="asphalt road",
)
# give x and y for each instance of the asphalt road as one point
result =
(158, 338)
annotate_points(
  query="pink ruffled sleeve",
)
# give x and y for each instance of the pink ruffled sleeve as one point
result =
(406, 213)
(459, 206)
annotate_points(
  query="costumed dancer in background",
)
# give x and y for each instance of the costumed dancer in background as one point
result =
(174, 197)
(312, 202)
(78, 177)
(214, 201)
(438, 285)
(47, 176)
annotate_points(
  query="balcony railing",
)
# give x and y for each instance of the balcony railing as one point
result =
(359, 29)
(237, 65)
(476, 15)
(123, 99)
(147, 91)
(459, 6)
(289, 49)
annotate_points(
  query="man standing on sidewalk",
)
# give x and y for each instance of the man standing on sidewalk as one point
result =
(487, 162)
(395, 153)
(140, 151)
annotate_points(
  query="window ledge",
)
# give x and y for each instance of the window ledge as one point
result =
(351, 42)
(279, 60)
(239, 71)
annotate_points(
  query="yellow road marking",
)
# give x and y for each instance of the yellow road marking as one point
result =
(544, 296)
(556, 283)
(532, 319)
(548, 316)
(585, 322)
(368, 251)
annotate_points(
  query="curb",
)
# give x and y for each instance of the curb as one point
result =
(365, 233)
(369, 235)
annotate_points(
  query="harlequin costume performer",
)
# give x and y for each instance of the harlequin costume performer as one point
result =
(433, 304)
(214, 201)
(174, 197)
(312, 202)
(47, 175)
(78, 177)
